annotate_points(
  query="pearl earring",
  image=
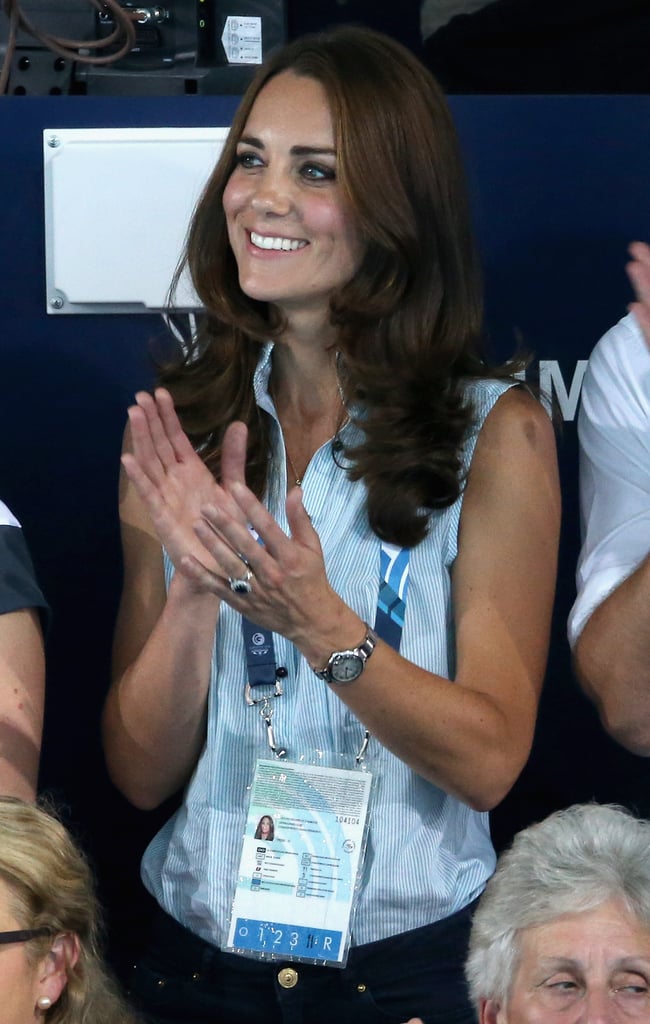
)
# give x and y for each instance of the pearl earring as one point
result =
(44, 1002)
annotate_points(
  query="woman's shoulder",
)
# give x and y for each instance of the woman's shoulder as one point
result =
(517, 422)
(507, 415)
(482, 394)
(486, 390)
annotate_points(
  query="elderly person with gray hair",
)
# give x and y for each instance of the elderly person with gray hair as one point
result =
(562, 931)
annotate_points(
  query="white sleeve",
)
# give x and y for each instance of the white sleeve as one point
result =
(7, 518)
(614, 435)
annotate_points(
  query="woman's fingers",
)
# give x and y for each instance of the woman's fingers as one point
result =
(233, 455)
(175, 439)
(142, 447)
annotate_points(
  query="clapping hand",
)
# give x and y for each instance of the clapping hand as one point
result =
(170, 478)
(638, 271)
(205, 526)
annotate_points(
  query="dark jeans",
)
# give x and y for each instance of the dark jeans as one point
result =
(185, 980)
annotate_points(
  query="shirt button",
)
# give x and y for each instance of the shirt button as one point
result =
(361, 987)
(288, 977)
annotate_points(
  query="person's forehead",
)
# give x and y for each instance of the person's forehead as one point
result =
(610, 928)
(292, 101)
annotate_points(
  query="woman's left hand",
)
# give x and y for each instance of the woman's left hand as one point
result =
(289, 591)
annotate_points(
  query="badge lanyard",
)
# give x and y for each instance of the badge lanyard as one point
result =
(304, 842)
(265, 676)
(306, 829)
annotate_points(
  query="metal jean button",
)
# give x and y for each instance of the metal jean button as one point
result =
(288, 977)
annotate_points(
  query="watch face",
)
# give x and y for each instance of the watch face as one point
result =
(346, 667)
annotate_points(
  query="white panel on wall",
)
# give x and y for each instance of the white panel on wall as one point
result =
(117, 206)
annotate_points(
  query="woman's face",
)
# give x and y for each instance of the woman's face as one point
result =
(289, 227)
(20, 979)
(265, 826)
(589, 968)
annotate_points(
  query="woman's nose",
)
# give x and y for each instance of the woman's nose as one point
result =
(599, 1007)
(273, 194)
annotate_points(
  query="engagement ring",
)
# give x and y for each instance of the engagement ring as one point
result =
(241, 584)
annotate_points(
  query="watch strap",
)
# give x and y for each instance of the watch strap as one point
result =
(362, 653)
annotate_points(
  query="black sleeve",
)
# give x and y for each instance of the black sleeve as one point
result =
(18, 586)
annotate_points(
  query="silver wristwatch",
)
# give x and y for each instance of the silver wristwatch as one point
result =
(346, 666)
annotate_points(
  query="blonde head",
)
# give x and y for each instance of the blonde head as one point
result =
(51, 886)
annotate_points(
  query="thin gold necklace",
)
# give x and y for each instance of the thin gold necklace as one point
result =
(343, 419)
(296, 479)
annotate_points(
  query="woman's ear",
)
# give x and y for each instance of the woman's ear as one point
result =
(56, 966)
(490, 1012)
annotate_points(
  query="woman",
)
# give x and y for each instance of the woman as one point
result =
(335, 225)
(49, 960)
(563, 929)
(265, 829)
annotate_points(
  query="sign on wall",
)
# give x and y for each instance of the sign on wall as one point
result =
(117, 205)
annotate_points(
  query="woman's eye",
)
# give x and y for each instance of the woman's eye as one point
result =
(248, 160)
(317, 172)
(558, 990)
(632, 986)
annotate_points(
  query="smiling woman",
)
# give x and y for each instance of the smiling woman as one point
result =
(277, 184)
(378, 619)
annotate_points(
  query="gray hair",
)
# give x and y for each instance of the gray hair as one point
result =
(573, 861)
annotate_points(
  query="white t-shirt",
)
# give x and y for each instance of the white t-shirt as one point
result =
(614, 434)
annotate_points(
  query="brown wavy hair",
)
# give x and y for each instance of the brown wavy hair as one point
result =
(410, 319)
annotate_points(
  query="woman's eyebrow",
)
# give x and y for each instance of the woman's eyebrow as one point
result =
(633, 962)
(307, 150)
(252, 140)
(558, 963)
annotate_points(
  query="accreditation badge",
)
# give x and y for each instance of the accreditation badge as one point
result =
(301, 861)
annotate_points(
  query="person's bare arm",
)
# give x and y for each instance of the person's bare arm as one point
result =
(612, 653)
(612, 661)
(22, 680)
(155, 713)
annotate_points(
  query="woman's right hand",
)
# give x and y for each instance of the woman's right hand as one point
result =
(169, 477)
(638, 271)
(154, 718)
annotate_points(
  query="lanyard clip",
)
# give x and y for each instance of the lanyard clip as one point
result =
(361, 756)
(251, 700)
(266, 712)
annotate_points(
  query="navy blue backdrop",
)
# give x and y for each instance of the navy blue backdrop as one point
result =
(559, 186)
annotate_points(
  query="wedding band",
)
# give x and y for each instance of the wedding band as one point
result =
(241, 584)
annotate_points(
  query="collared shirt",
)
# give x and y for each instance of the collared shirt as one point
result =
(614, 433)
(428, 854)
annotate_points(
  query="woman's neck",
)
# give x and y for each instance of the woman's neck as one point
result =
(304, 379)
(307, 397)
